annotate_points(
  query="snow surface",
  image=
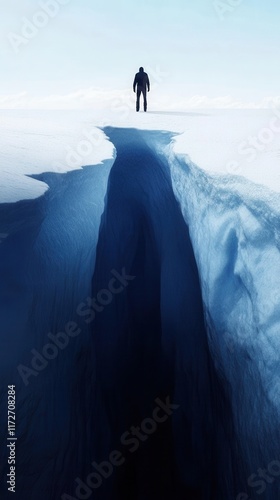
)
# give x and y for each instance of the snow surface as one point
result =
(33, 142)
(36, 142)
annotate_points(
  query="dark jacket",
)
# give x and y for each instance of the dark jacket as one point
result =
(142, 81)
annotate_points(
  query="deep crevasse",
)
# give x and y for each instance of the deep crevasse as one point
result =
(151, 341)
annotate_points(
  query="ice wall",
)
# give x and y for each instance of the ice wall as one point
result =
(235, 231)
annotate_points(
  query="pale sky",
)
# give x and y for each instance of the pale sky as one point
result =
(198, 52)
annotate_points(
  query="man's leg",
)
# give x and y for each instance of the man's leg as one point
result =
(138, 99)
(145, 99)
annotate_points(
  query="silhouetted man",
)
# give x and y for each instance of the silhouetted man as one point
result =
(142, 82)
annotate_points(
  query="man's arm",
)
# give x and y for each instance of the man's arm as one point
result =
(134, 83)
(148, 83)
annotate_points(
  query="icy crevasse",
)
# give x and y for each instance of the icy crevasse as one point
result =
(151, 342)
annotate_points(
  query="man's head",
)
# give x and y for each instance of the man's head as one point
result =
(141, 69)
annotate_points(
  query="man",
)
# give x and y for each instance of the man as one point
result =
(142, 82)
